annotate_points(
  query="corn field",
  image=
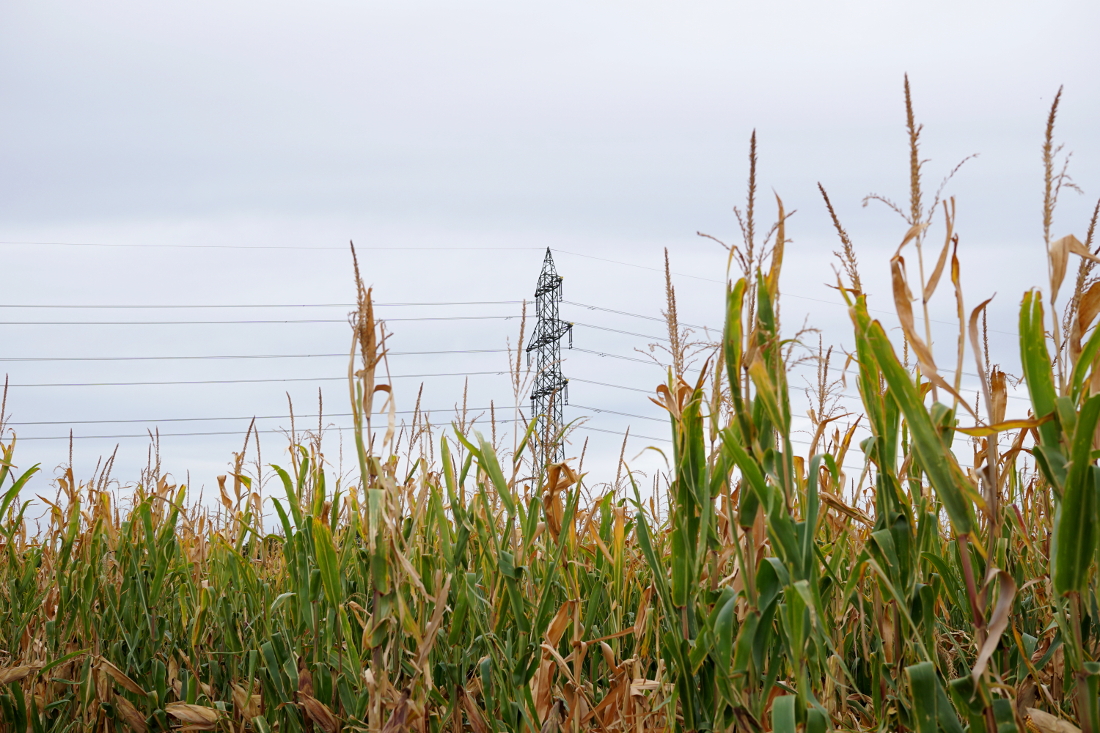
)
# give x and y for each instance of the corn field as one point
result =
(950, 586)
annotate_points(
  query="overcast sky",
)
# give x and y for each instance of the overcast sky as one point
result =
(264, 136)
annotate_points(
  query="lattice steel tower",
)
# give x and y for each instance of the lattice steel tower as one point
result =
(551, 389)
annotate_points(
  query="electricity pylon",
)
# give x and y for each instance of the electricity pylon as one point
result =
(551, 390)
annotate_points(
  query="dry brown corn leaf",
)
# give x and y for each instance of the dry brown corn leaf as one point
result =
(305, 680)
(998, 622)
(14, 674)
(980, 431)
(120, 677)
(937, 271)
(1046, 723)
(558, 624)
(999, 390)
(398, 721)
(835, 502)
(130, 715)
(195, 716)
(318, 712)
(903, 304)
(1087, 308)
(1060, 251)
(541, 686)
(554, 718)
(248, 706)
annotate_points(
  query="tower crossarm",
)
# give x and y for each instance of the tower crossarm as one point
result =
(551, 334)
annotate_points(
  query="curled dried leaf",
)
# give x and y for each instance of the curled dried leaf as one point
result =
(998, 622)
(559, 623)
(1087, 308)
(1044, 722)
(318, 712)
(473, 713)
(903, 303)
(399, 718)
(999, 392)
(120, 677)
(981, 431)
(14, 674)
(608, 656)
(1060, 251)
(554, 719)
(247, 706)
(835, 502)
(195, 716)
(130, 715)
(934, 278)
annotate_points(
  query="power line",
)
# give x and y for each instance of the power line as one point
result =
(251, 381)
(784, 294)
(266, 247)
(612, 356)
(616, 386)
(238, 433)
(640, 267)
(275, 356)
(616, 432)
(622, 414)
(457, 249)
(270, 305)
(337, 428)
(330, 305)
(422, 411)
(246, 322)
(343, 355)
(615, 330)
(632, 315)
(158, 435)
(239, 356)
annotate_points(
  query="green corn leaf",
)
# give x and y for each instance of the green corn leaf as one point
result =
(948, 718)
(746, 635)
(682, 584)
(810, 512)
(645, 541)
(752, 484)
(733, 348)
(1084, 364)
(288, 530)
(545, 609)
(783, 714)
(487, 459)
(327, 562)
(723, 629)
(771, 578)
(922, 683)
(1075, 524)
(291, 497)
(937, 461)
(278, 602)
(796, 621)
(11, 494)
(1035, 361)
(816, 722)
(767, 392)
(73, 526)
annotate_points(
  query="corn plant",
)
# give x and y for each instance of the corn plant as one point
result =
(950, 586)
